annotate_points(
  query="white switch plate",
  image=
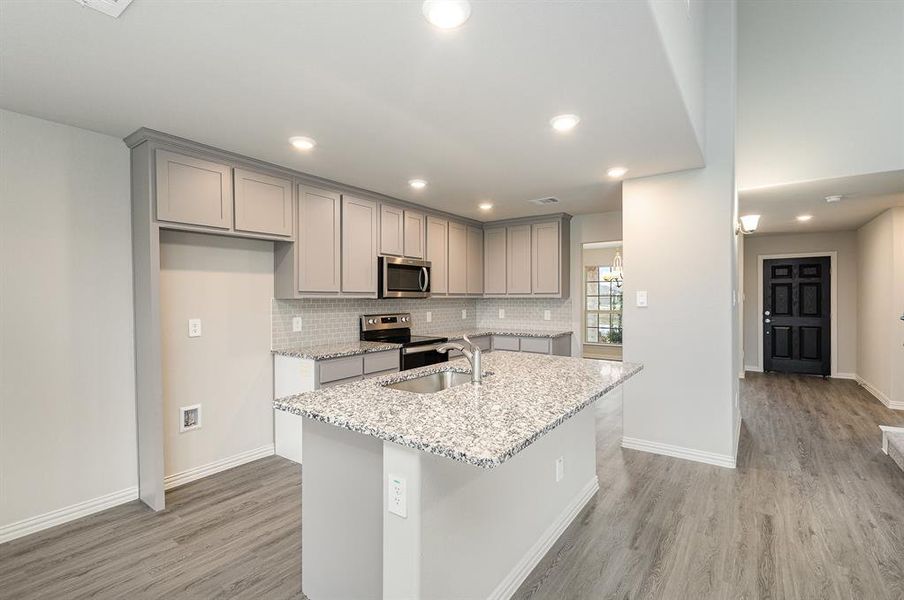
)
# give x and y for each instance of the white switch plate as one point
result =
(464, 313)
(501, 313)
(398, 496)
(429, 317)
(296, 324)
(641, 299)
(560, 469)
(547, 315)
(194, 328)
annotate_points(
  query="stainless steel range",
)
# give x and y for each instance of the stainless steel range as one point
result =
(395, 328)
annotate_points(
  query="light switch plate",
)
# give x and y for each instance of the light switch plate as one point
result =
(642, 299)
(398, 496)
(194, 328)
(296, 324)
(428, 317)
(501, 313)
(547, 315)
(464, 313)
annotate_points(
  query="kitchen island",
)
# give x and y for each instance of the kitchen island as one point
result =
(452, 494)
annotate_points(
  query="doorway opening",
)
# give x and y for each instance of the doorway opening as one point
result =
(601, 334)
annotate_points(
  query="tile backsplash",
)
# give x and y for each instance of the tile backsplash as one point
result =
(329, 320)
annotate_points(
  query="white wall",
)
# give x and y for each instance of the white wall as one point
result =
(680, 247)
(821, 86)
(844, 243)
(880, 245)
(228, 284)
(595, 227)
(67, 385)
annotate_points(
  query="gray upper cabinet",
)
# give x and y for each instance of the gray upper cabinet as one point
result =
(193, 191)
(263, 204)
(518, 260)
(392, 230)
(359, 246)
(318, 247)
(494, 261)
(438, 254)
(475, 260)
(458, 258)
(414, 234)
(545, 268)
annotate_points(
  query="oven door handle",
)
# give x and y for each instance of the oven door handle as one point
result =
(420, 349)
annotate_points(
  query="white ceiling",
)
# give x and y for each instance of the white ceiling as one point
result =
(865, 196)
(387, 96)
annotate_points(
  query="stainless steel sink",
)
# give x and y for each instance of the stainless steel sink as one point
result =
(432, 383)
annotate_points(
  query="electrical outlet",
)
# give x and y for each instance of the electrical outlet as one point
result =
(189, 418)
(429, 317)
(194, 328)
(398, 496)
(560, 469)
(501, 313)
(642, 299)
(547, 315)
(464, 313)
(296, 324)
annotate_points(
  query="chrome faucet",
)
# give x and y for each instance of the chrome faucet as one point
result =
(472, 353)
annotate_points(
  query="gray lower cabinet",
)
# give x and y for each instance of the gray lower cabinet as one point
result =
(359, 246)
(484, 342)
(559, 346)
(475, 260)
(193, 191)
(518, 260)
(392, 230)
(414, 234)
(263, 204)
(318, 242)
(458, 258)
(494, 261)
(438, 254)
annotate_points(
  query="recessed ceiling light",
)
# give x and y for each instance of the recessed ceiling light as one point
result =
(834, 198)
(485, 206)
(804, 218)
(302, 143)
(564, 123)
(616, 172)
(417, 184)
(447, 14)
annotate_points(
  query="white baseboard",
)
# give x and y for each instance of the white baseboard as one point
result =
(177, 479)
(511, 582)
(845, 376)
(879, 395)
(66, 514)
(710, 458)
(753, 368)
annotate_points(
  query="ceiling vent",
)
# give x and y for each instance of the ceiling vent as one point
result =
(112, 8)
(545, 201)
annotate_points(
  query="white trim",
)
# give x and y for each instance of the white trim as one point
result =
(66, 514)
(886, 429)
(193, 474)
(511, 582)
(845, 376)
(833, 299)
(753, 368)
(709, 458)
(879, 395)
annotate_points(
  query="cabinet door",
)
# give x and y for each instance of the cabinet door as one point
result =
(359, 245)
(392, 228)
(458, 258)
(518, 258)
(494, 260)
(318, 240)
(545, 276)
(414, 234)
(263, 204)
(437, 254)
(475, 260)
(193, 191)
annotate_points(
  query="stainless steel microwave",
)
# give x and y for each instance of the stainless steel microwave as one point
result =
(403, 277)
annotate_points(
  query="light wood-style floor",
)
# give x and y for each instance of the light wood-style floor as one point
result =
(814, 510)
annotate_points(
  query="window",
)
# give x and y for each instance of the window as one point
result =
(603, 306)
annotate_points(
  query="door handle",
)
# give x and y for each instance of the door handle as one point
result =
(768, 320)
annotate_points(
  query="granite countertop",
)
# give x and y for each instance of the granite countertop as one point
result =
(540, 333)
(325, 351)
(523, 397)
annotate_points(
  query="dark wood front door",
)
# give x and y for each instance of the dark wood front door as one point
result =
(797, 315)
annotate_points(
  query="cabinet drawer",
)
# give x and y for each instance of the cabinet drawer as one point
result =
(341, 381)
(381, 361)
(538, 345)
(340, 368)
(483, 342)
(506, 342)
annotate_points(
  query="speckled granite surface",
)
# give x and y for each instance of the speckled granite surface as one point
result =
(541, 333)
(523, 397)
(325, 351)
